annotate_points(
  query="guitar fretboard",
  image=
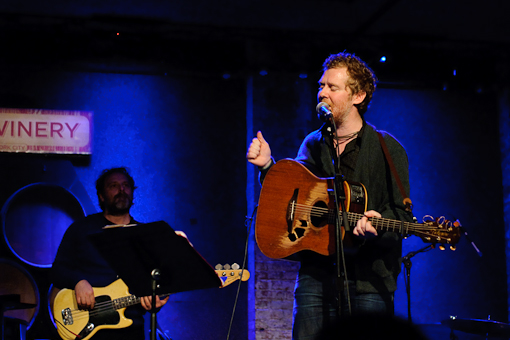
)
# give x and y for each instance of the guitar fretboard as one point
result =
(382, 224)
(130, 300)
(424, 230)
(125, 301)
(385, 224)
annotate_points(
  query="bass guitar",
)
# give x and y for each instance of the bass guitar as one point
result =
(108, 312)
(296, 212)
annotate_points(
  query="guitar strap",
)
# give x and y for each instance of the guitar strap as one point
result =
(407, 201)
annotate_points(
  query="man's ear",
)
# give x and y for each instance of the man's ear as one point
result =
(359, 97)
(101, 198)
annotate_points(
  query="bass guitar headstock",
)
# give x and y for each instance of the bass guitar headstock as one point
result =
(228, 274)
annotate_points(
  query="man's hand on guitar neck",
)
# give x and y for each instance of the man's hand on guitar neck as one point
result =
(363, 227)
(146, 302)
(84, 295)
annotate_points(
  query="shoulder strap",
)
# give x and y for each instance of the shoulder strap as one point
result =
(407, 201)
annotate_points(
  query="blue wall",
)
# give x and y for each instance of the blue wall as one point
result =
(453, 146)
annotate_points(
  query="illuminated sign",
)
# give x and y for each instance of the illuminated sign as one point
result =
(45, 131)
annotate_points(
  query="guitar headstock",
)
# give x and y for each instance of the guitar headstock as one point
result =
(228, 274)
(440, 231)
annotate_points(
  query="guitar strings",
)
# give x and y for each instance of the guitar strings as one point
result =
(100, 307)
(78, 314)
(417, 228)
(378, 222)
(354, 217)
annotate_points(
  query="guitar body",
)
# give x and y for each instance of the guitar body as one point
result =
(296, 210)
(108, 312)
(72, 321)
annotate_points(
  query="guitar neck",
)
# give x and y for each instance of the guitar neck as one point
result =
(227, 276)
(386, 224)
(130, 300)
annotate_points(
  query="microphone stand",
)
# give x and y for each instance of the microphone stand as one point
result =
(339, 194)
(406, 260)
(155, 274)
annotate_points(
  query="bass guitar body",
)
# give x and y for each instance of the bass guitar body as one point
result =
(73, 323)
(111, 302)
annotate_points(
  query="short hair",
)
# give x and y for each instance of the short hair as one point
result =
(100, 182)
(361, 77)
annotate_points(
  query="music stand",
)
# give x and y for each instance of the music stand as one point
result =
(146, 253)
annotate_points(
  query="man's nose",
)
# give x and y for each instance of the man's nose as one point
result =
(322, 93)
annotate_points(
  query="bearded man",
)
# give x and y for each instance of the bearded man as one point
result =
(351, 145)
(79, 265)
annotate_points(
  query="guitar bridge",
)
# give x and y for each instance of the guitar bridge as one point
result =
(67, 316)
(294, 233)
(291, 209)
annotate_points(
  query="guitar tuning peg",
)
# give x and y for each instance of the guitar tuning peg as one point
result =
(235, 266)
(453, 248)
(218, 267)
(226, 266)
(441, 247)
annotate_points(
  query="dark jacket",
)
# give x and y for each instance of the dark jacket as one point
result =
(376, 264)
(78, 259)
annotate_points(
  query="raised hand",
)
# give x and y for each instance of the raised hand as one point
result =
(259, 152)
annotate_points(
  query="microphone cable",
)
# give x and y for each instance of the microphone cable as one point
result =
(248, 223)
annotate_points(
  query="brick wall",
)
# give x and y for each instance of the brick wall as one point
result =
(274, 296)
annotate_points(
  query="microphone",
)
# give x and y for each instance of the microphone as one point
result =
(323, 112)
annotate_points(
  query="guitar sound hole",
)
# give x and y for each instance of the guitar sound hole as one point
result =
(319, 215)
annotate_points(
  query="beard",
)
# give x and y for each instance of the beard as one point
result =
(119, 205)
(340, 116)
(341, 113)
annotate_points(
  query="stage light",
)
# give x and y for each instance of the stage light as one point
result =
(226, 76)
(454, 72)
(263, 73)
(383, 59)
(303, 75)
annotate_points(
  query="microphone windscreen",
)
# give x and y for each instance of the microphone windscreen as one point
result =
(320, 106)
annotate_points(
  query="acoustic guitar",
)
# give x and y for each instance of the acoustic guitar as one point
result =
(297, 212)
